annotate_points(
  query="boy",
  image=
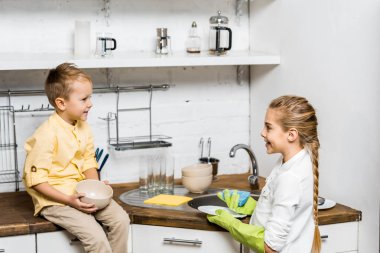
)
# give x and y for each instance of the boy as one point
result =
(60, 153)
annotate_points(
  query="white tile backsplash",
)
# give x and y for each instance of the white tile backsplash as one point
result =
(186, 112)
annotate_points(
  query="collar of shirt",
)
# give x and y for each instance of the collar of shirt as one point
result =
(291, 161)
(282, 167)
(65, 124)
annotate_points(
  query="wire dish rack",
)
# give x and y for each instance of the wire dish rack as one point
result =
(8, 147)
(136, 142)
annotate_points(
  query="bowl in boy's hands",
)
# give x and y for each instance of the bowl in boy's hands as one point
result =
(96, 192)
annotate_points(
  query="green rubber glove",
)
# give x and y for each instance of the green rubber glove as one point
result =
(250, 235)
(233, 198)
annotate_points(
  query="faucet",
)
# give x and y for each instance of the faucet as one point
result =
(254, 178)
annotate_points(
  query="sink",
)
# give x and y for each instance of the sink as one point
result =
(136, 198)
(213, 200)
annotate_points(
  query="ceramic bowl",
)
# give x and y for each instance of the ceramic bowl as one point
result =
(96, 192)
(197, 184)
(197, 170)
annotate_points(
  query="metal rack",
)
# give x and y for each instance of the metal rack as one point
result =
(9, 172)
(120, 143)
(136, 142)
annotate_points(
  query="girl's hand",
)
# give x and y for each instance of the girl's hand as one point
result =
(75, 202)
(268, 249)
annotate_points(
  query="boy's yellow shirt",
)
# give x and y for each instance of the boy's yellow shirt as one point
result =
(57, 153)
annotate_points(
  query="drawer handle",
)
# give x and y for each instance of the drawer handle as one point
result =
(323, 237)
(2, 250)
(173, 240)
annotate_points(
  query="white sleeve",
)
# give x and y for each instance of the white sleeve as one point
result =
(286, 197)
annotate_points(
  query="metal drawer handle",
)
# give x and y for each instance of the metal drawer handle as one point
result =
(173, 240)
(324, 237)
(2, 250)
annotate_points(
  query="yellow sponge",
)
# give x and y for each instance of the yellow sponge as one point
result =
(168, 200)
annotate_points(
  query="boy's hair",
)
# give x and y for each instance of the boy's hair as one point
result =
(297, 112)
(59, 80)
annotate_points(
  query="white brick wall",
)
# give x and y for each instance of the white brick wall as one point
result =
(203, 101)
(186, 112)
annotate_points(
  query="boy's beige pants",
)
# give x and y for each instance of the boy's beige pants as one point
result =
(87, 229)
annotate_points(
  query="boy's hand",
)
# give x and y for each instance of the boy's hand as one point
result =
(75, 202)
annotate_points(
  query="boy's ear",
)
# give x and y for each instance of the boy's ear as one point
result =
(60, 103)
(292, 134)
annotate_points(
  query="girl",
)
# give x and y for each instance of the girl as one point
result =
(286, 216)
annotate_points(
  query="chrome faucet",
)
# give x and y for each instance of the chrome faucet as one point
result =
(254, 178)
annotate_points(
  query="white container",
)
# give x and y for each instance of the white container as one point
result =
(197, 170)
(197, 184)
(82, 39)
(97, 192)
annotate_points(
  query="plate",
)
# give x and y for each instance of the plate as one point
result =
(328, 204)
(211, 210)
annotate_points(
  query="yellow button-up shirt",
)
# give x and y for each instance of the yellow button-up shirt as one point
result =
(57, 153)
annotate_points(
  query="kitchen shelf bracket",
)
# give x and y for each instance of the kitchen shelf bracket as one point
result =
(239, 7)
(241, 72)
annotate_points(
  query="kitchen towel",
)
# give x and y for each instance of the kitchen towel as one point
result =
(168, 200)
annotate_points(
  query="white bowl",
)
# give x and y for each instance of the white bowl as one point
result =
(197, 170)
(97, 192)
(197, 184)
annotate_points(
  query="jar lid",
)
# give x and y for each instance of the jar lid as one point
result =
(219, 19)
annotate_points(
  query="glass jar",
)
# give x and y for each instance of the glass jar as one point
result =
(193, 41)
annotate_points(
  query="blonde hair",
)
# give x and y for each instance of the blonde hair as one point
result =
(59, 80)
(297, 112)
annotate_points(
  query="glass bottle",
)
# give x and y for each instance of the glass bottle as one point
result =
(193, 41)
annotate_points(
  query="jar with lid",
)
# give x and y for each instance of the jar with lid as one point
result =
(193, 41)
(220, 35)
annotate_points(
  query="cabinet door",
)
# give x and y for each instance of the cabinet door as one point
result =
(17, 244)
(58, 242)
(63, 242)
(178, 240)
(340, 237)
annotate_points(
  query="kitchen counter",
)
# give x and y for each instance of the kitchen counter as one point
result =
(16, 211)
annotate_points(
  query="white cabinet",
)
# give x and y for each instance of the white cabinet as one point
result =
(63, 242)
(179, 240)
(340, 237)
(58, 242)
(17, 244)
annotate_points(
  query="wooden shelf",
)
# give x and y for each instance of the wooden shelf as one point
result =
(14, 61)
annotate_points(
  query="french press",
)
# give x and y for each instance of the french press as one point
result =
(220, 35)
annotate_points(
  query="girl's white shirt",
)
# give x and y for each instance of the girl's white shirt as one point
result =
(285, 206)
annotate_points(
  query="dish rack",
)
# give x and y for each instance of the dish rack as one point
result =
(9, 172)
(136, 142)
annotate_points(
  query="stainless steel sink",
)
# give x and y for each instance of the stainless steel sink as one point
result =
(136, 198)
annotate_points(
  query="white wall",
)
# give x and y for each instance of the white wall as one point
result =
(330, 53)
(202, 102)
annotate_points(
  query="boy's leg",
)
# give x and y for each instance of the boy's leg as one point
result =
(82, 225)
(117, 222)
